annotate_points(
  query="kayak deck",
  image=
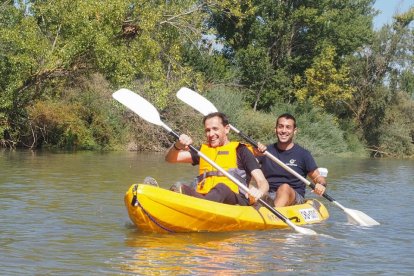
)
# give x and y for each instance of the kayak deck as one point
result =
(154, 209)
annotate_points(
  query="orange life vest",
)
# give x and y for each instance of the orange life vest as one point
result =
(224, 156)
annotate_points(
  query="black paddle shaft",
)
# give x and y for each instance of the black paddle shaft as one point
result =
(177, 136)
(248, 139)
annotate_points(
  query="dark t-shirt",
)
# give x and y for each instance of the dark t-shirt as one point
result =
(245, 160)
(297, 158)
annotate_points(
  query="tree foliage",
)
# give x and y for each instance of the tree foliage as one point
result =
(379, 72)
(325, 86)
(283, 39)
(61, 60)
(45, 44)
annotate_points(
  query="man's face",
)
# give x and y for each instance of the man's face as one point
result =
(285, 130)
(216, 133)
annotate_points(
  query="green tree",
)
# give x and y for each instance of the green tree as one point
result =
(45, 45)
(285, 37)
(325, 86)
(405, 81)
(378, 74)
(396, 131)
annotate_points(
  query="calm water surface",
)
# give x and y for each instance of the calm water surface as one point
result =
(63, 214)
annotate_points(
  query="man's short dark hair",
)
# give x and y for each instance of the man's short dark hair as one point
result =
(287, 116)
(222, 116)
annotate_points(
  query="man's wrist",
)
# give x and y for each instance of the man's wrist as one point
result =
(315, 180)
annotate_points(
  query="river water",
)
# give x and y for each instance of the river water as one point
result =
(63, 214)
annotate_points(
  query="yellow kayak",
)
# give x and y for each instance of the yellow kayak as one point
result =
(155, 209)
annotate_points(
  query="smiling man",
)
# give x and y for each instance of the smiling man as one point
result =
(284, 188)
(234, 157)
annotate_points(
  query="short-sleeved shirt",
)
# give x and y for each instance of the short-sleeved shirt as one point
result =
(297, 158)
(245, 161)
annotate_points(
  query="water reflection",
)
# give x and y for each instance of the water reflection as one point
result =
(252, 252)
(193, 253)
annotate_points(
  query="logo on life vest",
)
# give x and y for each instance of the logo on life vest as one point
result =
(223, 152)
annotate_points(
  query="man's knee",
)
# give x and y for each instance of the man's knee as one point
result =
(285, 188)
(222, 193)
(285, 196)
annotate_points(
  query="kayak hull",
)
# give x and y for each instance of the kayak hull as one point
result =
(153, 209)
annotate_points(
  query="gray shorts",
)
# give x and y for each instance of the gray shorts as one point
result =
(298, 198)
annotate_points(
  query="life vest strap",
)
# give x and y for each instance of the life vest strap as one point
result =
(203, 176)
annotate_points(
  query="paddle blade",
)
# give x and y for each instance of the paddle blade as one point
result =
(305, 231)
(139, 105)
(360, 218)
(196, 101)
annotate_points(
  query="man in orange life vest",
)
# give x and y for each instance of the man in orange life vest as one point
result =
(234, 157)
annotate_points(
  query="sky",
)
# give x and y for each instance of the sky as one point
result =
(388, 8)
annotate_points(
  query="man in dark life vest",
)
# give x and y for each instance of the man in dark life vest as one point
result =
(234, 157)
